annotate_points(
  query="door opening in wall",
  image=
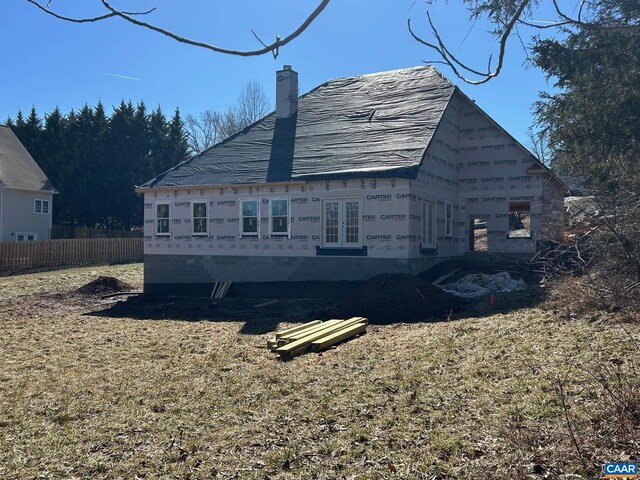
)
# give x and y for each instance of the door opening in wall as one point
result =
(519, 220)
(478, 239)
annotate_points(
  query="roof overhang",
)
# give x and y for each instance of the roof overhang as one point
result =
(29, 190)
(217, 185)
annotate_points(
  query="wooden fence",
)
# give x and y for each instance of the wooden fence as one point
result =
(44, 254)
(65, 231)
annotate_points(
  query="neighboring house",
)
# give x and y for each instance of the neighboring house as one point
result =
(388, 172)
(25, 193)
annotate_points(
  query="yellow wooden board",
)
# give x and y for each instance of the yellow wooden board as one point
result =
(297, 328)
(300, 346)
(302, 333)
(337, 337)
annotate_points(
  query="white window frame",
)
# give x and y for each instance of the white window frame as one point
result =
(271, 217)
(26, 234)
(448, 219)
(425, 226)
(342, 228)
(43, 202)
(157, 223)
(241, 218)
(206, 218)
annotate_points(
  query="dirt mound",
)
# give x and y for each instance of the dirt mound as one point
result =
(104, 286)
(399, 297)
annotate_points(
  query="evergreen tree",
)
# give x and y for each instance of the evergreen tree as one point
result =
(100, 163)
(594, 117)
(31, 133)
(158, 138)
(95, 161)
(54, 154)
(177, 146)
(124, 152)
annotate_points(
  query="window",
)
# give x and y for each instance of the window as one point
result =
(200, 218)
(41, 206)
(448, 225)
(341, 223)
(331, 228)
(280, 216)
(26, 237)
(519, 220)
(428, 224)
(249, 217)
(162, 219)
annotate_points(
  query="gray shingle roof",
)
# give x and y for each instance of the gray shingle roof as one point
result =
(374, 125)
(17, 168)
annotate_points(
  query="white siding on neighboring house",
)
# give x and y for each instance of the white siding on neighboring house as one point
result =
(19, 215)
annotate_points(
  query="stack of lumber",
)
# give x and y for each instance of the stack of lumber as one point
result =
(315, 336)
(220, 289)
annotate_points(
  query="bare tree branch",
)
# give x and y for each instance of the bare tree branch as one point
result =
(456, 65)
(543, 27)
(506, 28)
(273, 47)
(578, 22)
(45, 9)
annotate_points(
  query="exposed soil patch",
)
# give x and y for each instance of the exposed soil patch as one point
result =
(400, 297)
(103, 286)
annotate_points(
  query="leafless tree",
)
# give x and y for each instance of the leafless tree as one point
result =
(252, 104)
(134, 18)
(203, 130)
(210, 127)
(539, 145)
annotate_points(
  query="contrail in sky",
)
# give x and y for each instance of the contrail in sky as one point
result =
(119, 76)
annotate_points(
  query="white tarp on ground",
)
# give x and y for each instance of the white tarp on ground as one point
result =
(479, 284)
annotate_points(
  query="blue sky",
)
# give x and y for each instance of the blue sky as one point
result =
(48, 62)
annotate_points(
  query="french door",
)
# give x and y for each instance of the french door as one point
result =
(342, 222)
(428, 224)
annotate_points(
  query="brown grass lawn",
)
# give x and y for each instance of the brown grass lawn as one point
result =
(87, 396)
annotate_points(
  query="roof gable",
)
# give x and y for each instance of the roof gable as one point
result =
(369, 125)
(17, 168)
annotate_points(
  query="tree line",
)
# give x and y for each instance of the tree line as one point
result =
(96, 160)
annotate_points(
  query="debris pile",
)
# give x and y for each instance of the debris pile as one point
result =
(399, 297)
(581, 209)
(104, 285)
(315, 336)
(480, 284)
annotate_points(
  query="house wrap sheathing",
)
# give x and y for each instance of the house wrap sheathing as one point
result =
(387, 172)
